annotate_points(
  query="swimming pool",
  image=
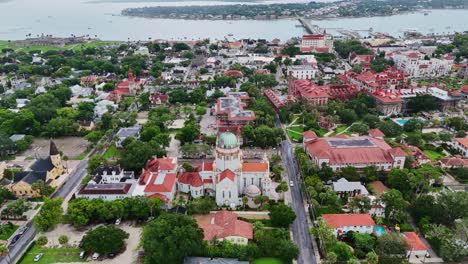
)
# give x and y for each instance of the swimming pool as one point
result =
(379, 230)
(401, 121)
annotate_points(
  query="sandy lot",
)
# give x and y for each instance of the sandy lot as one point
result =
(69, 146)
(128, 256)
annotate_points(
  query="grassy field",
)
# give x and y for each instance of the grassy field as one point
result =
(51, 255)
(268, 261)
(338, 130)
(434, 156)
(295, 133)
(93, 44)
(111, 152)
(6, 231)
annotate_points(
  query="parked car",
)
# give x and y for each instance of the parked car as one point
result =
(95, 256)
(23, 229)
(38, 257)
(291, 183)
(117, 222)
(15, 239)
(82, 254)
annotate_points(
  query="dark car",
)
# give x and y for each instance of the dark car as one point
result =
(15, 239)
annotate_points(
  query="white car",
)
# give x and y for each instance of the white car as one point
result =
(38, 257)
(291, 183)
(82, 254)
(117, 222)
(95, 256)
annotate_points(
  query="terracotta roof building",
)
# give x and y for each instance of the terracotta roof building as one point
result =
(319, 95)
(461, 144)
(224, 225)
(342, 223)
(358, 152)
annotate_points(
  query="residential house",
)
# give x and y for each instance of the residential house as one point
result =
(461, 144)
(108, 192)
(416, 247)
(343, 223)
(126, 132)
(347, 189)
(224, 225)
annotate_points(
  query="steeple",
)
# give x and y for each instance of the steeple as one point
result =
(53, 149)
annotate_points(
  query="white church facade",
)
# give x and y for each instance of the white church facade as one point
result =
(228, 177)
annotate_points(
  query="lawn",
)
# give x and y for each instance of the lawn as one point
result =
(7, 230)
(338, 130)
(434, 156)
(111, 152)
(268, 261)
(52, 255)
(295, 133)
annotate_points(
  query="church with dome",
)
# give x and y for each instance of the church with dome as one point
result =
(228, 177)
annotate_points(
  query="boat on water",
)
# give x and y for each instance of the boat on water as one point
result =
(230, 34)
(426, 13)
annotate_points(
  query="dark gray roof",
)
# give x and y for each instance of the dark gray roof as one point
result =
(108, 169)
(42, 165)
(30, 176)
(53, 149)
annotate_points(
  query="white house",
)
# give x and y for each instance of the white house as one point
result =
(342, 223)
(302, 72)
(461, 144)
(345, 188)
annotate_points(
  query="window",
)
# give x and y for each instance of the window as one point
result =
(229, 194)
(223, 194)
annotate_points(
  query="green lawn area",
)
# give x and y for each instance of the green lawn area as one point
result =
(6, 231)
(111, 152)
(268, 261)
(338, 130)
(320, 132)
(51, 255)
(295, 133)
(434, 156)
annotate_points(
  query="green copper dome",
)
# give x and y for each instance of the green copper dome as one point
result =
(227, 140)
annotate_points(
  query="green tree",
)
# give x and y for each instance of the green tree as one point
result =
(63, 239)
(42, 188)
(95, 161)
(170, 238)
(50, 214)
(391, 248)
(104, 240)
(135, 154)
(372, 258)
(94, 136)
(42, 241)
(395, 206)
(188, 133)
(342, 251)
(281, 215)
(201, 206)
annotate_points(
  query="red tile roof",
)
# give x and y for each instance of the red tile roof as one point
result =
(375, 150)
(227, 174)
(342, 220)
(166, 185)
(254, 167)
(462, 141)
(309, 134)
(224, 224)
(207, 166)
(397, 152)
(160, 196)
(378, 187)
(376, 133)
(414, 242)
(191, 178)
(454, 162)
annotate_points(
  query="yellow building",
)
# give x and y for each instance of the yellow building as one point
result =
(47, 170)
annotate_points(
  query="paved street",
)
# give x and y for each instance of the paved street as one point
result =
(74, 179)
(300, 226)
